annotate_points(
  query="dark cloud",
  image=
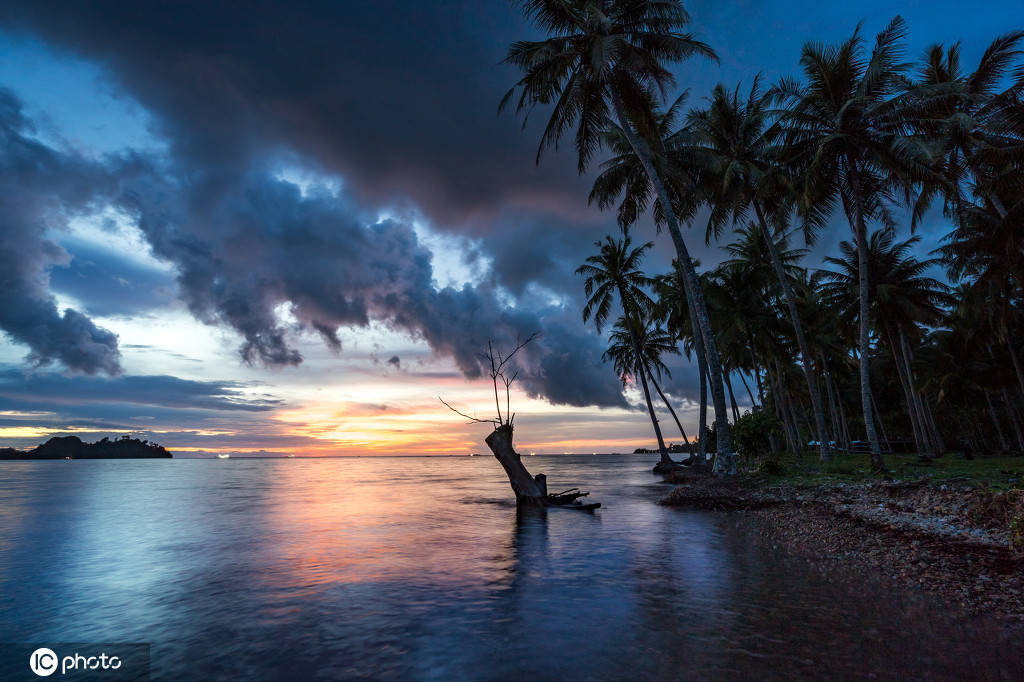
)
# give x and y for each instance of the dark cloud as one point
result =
(56, 392)
(40, 190)
(400, 98)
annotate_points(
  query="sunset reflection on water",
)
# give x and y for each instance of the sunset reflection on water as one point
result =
(420, 568)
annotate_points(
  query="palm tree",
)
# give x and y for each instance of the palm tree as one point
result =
(971, 122)
(605, 59)
(902, 298)
(673, 308)
(842, 130)
(740, 162)
(615, 272)
(653, 342)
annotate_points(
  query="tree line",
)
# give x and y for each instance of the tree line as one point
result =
(869, 346)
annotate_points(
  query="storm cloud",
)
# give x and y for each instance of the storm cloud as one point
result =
(40, 190)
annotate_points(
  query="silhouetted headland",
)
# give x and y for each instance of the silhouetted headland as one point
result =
(72, 447)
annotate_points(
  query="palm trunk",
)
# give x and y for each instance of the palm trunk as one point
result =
(908, 363)
(724, 456)
(643, 381)
(837, 431)
(934, 427)
(1012, 414)
(702, 428)
(732, 396)
(915, 422)
(881, 425)
(753, 403)
(672, 412)
(824, 452)
(861, 235)
(782, 403)
(1016, 364)
(1003, 444)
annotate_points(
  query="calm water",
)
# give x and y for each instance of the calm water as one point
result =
(417, 568)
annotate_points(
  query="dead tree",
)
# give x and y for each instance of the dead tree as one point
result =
(530, 490)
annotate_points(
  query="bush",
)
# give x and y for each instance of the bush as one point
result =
(752, 432)
(772, 466)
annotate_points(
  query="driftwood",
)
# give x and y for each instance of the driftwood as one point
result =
(530, 490)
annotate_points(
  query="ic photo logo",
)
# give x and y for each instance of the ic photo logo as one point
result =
(44, 662)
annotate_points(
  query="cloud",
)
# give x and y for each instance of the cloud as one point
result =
(106, 282)
(40, 189)
(405, 111)
(267, 257)
(57, 390)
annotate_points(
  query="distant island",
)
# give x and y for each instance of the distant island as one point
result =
(674, 448)
(72, 447)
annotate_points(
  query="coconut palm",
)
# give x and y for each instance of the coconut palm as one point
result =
(902, 297)
(673, 308)
(741, 167)
(606, 60)
(971, 123)
(653, 342)
(842, 130)
(613, 273)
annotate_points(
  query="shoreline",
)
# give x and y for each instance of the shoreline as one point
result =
(953, 542)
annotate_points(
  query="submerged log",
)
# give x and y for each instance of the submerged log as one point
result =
(530, 491)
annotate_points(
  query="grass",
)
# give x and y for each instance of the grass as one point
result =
(995, 473)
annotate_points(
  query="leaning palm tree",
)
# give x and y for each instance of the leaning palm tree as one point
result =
(741, 166)
(615, 273)
(653, 342)
(672, 307)
(608, 60)
(842, 129)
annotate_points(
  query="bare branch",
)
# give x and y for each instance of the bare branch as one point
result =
(463, 414)
(498, 361)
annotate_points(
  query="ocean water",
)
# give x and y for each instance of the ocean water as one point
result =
(420, 568)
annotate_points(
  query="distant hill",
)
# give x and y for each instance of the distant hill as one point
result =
(65, 447)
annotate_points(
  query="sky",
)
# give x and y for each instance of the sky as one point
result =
(290, 227)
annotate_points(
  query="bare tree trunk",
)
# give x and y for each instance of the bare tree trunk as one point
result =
(724, 456)
(824, 451)
(528, 489)
(861, 237)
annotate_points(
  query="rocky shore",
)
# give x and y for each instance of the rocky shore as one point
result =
(962, 543)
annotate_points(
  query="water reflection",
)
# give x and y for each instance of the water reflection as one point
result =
(422, 569)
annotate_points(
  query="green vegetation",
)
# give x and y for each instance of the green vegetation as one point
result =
(997, 474)
(869, 351)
